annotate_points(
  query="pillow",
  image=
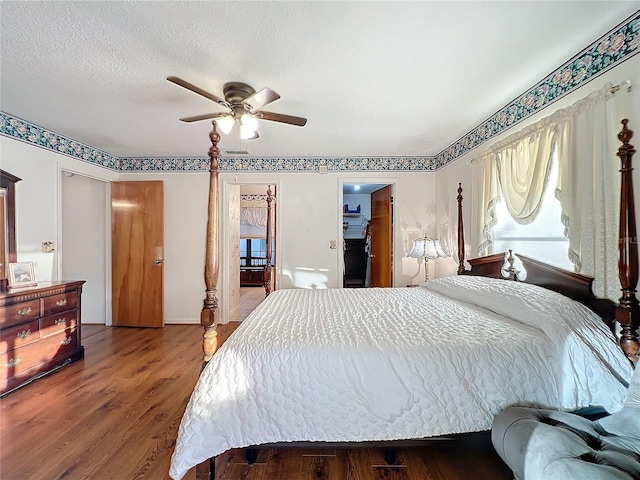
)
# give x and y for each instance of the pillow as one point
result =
(579, 335)
(529, 304)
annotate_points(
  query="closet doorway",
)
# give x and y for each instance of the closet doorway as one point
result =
(367, 232)
(84, 245)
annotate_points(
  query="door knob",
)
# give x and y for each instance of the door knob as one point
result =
(158, 261)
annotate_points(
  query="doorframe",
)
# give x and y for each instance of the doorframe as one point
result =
(393, 181)
(225, 244)
(66, 170)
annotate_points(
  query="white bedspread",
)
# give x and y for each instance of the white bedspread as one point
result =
(380, 364)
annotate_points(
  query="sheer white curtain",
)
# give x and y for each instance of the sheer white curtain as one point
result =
(589, 187)
(485, 196)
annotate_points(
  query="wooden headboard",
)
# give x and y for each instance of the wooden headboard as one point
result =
(574, 285)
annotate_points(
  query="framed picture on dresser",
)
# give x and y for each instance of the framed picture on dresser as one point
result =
(21, 275)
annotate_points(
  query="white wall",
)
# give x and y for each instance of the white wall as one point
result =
(36, 204)
(459, 170)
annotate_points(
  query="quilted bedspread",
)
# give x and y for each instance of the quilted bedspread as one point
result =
(385, 364)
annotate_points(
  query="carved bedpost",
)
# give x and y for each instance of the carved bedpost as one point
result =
(628, 309)
(208, 315)
(460, 232)
(267, 266)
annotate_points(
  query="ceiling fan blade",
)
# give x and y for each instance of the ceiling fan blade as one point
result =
(255, 135)
(198, 90)
(204, 116)
(261, 98)
(282, 118)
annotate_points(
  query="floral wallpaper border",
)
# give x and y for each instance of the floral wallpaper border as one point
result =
(620, 44)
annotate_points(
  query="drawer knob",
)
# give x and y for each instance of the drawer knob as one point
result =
(14, 362)
(66, 341)
(24, 333)
(61, 303)
(60, 321)
(24, 311)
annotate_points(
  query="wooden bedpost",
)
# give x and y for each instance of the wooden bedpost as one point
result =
(628, 309)
(208, 315)
(267, 266)
(460, 232)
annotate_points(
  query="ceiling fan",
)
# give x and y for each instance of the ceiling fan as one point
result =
(244, 105)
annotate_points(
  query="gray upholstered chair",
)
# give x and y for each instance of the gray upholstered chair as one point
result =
(542, 444)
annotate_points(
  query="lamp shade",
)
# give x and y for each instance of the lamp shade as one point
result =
(226, 123)
(426, 247)
(433, 249)
(248, 126)
(417, 249)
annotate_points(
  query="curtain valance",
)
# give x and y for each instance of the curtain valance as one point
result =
(253, 210)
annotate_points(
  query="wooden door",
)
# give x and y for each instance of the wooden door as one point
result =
(137, 238)
(381, 232)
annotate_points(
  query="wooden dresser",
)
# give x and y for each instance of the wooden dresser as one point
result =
(39, 331)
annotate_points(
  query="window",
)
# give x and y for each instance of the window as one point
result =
(543, 238)
(253, 252)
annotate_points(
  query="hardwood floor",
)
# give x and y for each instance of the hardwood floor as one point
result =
(250, 297)
(114, 416)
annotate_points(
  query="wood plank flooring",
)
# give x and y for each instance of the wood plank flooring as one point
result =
(114, 416)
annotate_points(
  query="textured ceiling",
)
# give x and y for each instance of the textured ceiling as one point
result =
(373, 78)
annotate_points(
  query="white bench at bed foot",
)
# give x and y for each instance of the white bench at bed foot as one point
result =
(540, 444)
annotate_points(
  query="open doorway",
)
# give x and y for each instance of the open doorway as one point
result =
(367, 232)
(249, 251)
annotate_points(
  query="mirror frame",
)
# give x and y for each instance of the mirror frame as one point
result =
(8, 182)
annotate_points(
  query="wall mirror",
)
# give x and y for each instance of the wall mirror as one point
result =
(8, 246)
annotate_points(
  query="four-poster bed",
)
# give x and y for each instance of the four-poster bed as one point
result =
(451, 333)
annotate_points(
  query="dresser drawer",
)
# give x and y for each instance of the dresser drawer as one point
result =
(19, 313)
(39, 331)
(17, 336)
(60, 303)
(56, 323)
(16, 362)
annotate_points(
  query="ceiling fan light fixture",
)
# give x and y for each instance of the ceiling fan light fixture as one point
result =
(245, 106)
(248, 126)
(247, 134)
(226, 123)
(249, 121)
